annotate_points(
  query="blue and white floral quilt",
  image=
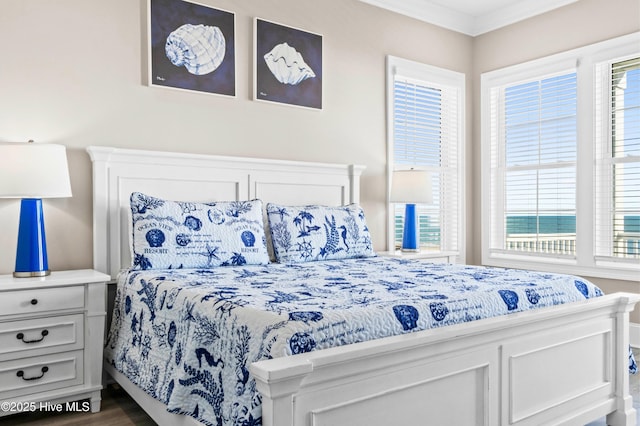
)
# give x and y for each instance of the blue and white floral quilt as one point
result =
(187, 337)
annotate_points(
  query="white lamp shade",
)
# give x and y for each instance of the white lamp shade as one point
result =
(411, 187)
(33, 170)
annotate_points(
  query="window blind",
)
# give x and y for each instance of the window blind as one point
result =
(533, 166)
(617, 193)
(425, 136)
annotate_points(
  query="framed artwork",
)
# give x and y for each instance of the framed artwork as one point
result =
(288, 65)
(191, 47)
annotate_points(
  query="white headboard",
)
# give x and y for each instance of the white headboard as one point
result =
(193, 177)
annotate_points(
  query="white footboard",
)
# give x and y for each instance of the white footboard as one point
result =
(563, 365)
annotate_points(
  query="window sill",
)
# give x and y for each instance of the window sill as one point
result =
(433, 256)
(608, 270)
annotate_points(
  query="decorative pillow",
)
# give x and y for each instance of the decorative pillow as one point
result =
(173, 234)
(309, 233)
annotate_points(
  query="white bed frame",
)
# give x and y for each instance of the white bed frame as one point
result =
(562, 365)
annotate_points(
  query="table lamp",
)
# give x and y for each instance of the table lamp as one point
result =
(411, 187)
(32, 171)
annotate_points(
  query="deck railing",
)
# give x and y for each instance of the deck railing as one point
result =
(626, 244)
(542, 243)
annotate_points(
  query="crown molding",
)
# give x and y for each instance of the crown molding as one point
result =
(473, 25)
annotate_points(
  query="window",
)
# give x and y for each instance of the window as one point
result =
(618, 160)
(533, 165)
(426, 116)
(545, 124)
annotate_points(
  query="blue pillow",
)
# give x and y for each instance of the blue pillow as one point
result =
(310, 233)
(172, 234)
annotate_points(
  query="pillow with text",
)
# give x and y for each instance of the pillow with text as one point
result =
(173, 234)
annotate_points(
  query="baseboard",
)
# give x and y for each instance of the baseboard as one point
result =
(634, 334)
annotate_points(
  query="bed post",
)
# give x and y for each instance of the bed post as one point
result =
(101, 219)
(354, 177)
(625, 414)
(278, 390)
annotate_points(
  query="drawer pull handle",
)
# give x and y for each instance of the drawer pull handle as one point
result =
(34, 301)
(44, 333)
(20, 374)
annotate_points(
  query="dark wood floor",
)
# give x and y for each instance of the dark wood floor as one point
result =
(117, 409)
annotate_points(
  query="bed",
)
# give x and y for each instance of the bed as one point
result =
(563, 364)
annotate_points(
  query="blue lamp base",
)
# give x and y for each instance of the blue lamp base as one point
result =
(410, 233)
(31, 256)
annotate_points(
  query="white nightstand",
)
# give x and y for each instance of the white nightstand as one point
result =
(51, 339)
(427, 256)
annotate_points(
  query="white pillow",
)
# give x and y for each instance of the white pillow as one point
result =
(172, 234)
(314, 232)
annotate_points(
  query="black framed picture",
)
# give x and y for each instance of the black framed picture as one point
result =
(288, 65)
(191, 47)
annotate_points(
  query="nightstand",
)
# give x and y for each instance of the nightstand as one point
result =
(51, 339)
(427, 256)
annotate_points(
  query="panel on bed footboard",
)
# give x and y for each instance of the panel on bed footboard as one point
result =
(546, 372)
(403, 388)
(425, 394)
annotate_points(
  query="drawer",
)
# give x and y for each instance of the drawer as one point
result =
(38, 336)
(41, 300)
(42, 373)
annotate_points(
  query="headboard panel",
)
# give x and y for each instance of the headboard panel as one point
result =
(194, 177)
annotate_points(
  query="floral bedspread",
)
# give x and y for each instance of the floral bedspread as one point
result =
(187, 337)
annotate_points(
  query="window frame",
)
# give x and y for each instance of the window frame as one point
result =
(584, 60)
(606, 162)
(438, 77)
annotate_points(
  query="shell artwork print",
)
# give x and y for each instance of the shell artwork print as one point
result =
(199, 48)
(287, 65)
(191, 47)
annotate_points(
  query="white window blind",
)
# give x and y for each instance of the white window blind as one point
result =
(533, 166)
(617, 195)
(417, 112)
(426, 133)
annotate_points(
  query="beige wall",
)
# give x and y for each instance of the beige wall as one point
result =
(71, 73)
(579, 24)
